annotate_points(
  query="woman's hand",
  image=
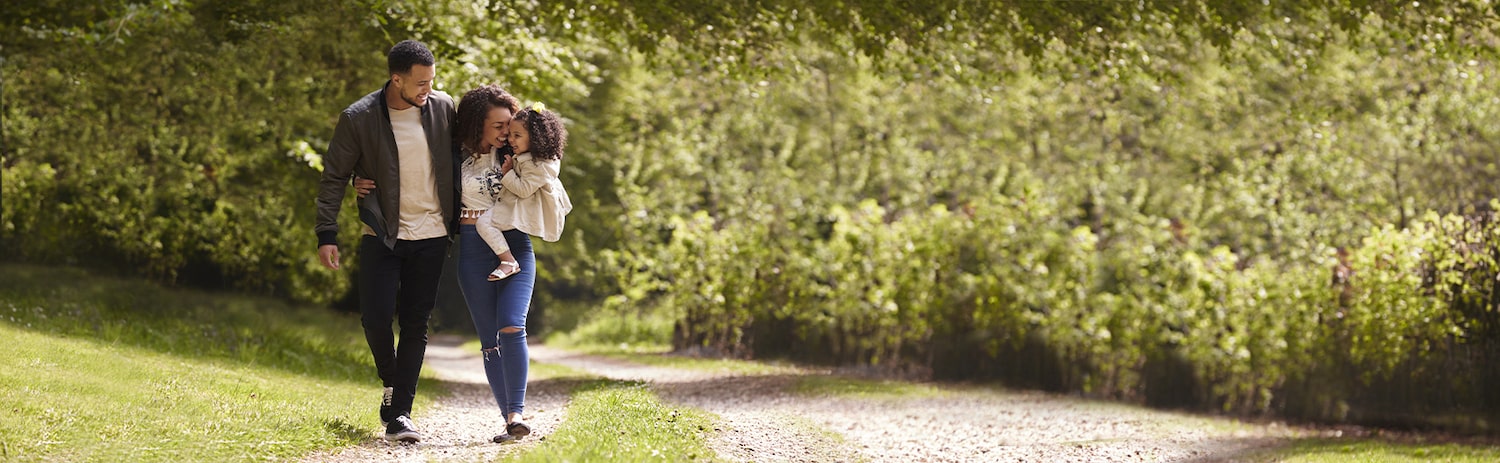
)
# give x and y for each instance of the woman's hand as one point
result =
(363, 186)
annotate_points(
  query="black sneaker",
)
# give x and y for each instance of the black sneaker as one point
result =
(385, 405)
(401, 430)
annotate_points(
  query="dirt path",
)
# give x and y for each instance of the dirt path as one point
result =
(458, 427)
(761, 420)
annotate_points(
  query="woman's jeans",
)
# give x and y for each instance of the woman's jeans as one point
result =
(499, 304)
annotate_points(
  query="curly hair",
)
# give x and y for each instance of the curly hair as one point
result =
(468, 125)
(547, 133)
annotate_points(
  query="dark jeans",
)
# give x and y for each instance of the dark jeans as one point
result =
(496, 305)
(400, 284)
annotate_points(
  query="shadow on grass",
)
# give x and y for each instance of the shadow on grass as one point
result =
(571, 385)
(262, 331)
(345, 431)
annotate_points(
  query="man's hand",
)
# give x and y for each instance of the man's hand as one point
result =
(363, 186)
(328, 255)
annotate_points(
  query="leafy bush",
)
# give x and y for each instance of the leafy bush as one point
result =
(1250, 334)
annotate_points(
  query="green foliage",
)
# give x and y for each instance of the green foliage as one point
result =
(653, 332)
(1233, 195)
(160, 141)
(884, 293)
(736, 30)
(1162, 202)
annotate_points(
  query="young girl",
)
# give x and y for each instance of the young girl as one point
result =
(532, 199)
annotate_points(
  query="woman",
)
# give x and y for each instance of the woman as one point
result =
(498, 307)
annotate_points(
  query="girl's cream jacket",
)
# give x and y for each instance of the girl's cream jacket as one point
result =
(533, 200)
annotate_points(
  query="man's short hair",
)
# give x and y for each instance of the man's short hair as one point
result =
(406, 54)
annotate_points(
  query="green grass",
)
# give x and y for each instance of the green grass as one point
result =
(1379, 451)
(662, 358)
(649, 333)
(625, 421)
(862, 388)
(646, 340)
(743, 367)
(113, 369)
(244, 329)
(610, 420)
(80, 400)
(552, 371)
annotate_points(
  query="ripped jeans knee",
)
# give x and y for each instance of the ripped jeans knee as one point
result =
(509, 333)
(512, 333)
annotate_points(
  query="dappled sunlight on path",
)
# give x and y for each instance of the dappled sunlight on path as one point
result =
(762, 420)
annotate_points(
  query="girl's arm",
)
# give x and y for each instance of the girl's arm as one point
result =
(529, 176)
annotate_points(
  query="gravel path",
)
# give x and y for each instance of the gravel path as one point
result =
(458, 427)
(761, 420)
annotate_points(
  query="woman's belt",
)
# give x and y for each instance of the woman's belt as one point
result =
(470, 213)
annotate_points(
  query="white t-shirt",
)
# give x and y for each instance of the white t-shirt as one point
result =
(421, 214)
(479, 178)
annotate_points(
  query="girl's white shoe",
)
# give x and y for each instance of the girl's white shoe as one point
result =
(501, 274)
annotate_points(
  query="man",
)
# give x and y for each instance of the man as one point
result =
(399, 136)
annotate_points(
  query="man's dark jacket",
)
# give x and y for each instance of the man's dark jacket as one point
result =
(364, 145)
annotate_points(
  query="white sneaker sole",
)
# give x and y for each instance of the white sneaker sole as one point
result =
(409, 437)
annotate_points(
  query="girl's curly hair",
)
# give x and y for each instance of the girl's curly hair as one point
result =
(468, 125)
(547, 133)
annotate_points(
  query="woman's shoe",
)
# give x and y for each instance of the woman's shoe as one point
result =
(501, 274)
(518, 429)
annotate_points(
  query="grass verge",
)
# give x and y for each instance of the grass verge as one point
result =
(624, 421)
(1379, 451)
(78, 400)
(113, 369)
(243, 329)
(668, 360)
(824, 386)
(645, 339)
(618, 333)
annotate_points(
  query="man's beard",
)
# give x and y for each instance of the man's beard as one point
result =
(408, 100)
